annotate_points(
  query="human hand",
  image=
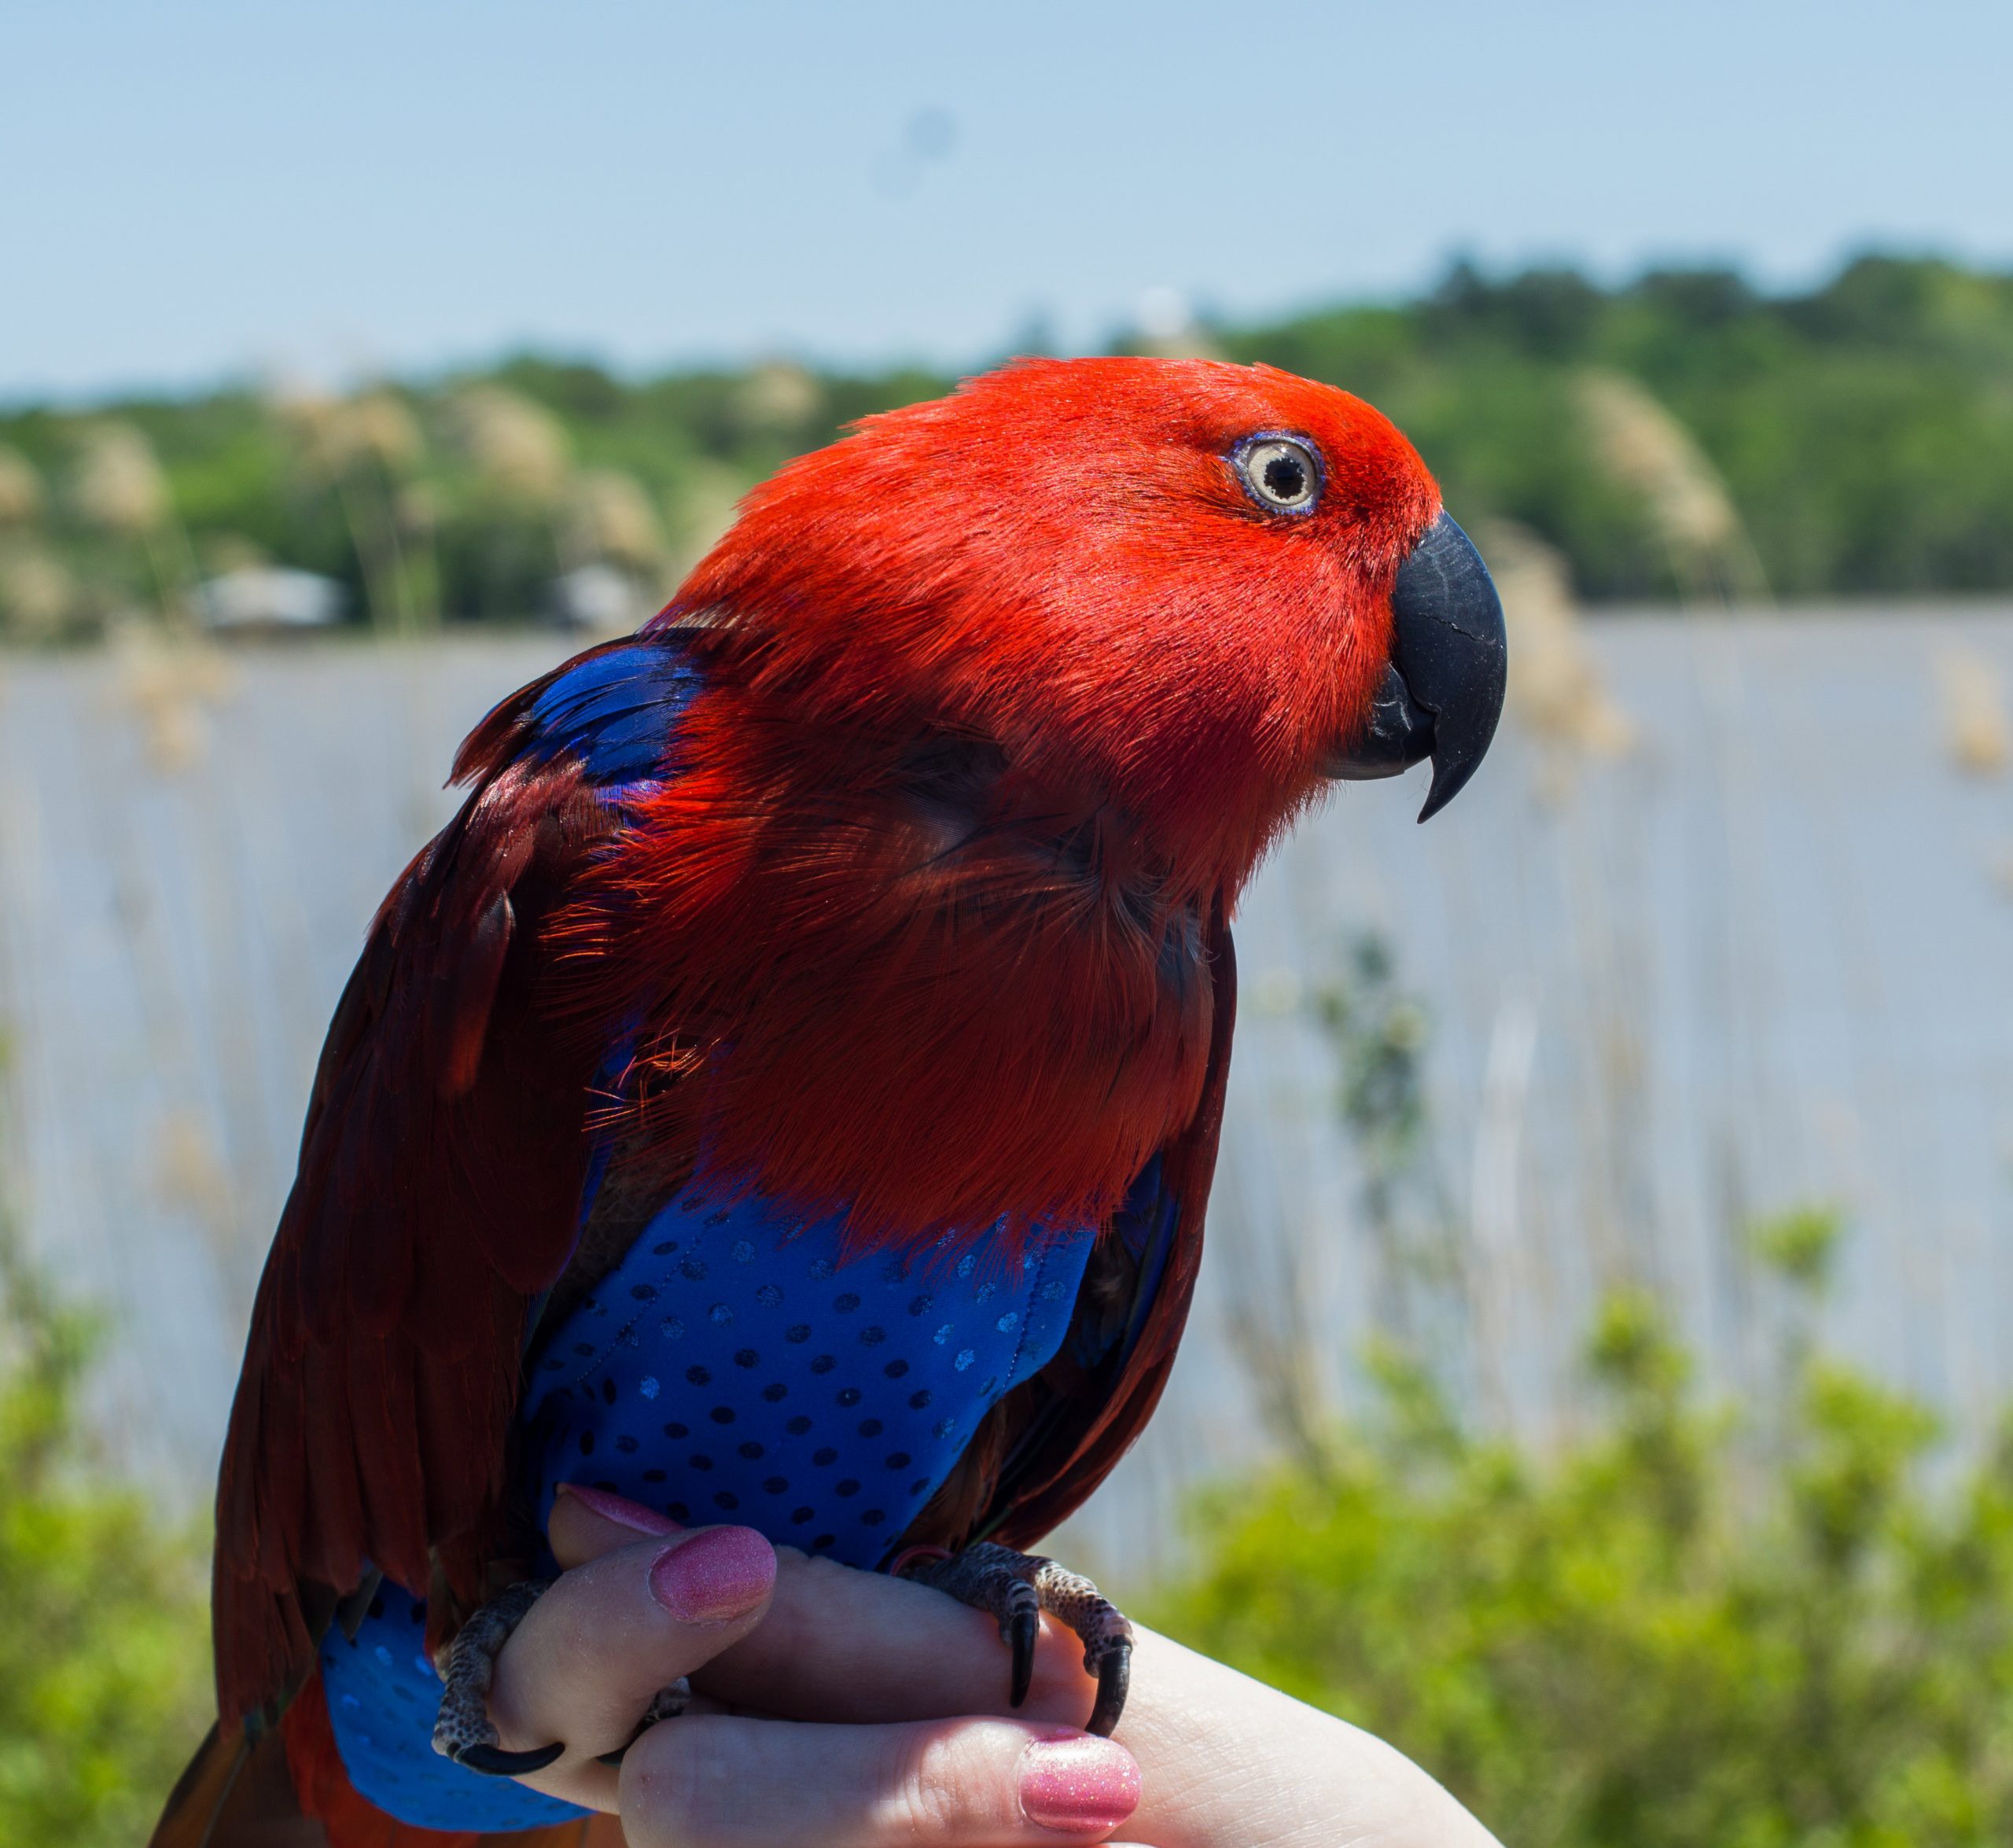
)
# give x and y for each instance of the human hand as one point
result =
(641, 1603)
(1225, 1761)
(896, 1684)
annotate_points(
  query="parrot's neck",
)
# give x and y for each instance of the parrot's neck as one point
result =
(892, 974)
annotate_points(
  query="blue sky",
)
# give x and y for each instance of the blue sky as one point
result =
(191, 189)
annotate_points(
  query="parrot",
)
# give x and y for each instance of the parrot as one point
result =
(786, 1092)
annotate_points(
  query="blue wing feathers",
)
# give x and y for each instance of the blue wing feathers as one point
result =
(1148, 1224)
(607, 716)
(613, 711)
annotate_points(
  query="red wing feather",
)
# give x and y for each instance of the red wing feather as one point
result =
(438, 1195)
(1095, 1415)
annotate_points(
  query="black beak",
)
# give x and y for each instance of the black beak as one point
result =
(1442, 693)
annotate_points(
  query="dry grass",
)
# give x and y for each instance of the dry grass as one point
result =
(610, 518)
(22, 499)
(779, 396)
(120, 487)
(338, 435)
(190, 1176)
(169, 683)
(1976, 730)
(118, 484)
(518, 446)
(703, 508)
(37, 593)
(1555, 687)
(1166, 328)
(1649, 450)
(365, 449)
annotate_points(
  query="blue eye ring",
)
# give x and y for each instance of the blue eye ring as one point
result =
(1267, 463)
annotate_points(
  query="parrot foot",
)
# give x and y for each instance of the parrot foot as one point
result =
(463, 1731)
(1015, 1588)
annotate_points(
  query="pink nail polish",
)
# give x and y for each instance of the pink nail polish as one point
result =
(1080, 1785)
(718, 1573)
(620, 1510)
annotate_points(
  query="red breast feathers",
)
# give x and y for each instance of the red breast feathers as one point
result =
(1006, 695)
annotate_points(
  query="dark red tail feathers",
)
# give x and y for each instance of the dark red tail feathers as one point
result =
(290, 1791)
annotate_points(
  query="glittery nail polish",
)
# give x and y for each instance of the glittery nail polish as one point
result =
(1078, 1784)
(620, 1510)
(718, 1573)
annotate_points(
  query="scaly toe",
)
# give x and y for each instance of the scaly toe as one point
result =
(462, 1730)
(1015, 1588)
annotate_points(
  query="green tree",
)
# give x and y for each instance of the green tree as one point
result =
(103, 1657)
(1855, 438)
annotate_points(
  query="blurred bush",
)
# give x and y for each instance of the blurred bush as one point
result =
(104, 1647)
(1681, 435)
(1658, 1635)
(1785, 1621)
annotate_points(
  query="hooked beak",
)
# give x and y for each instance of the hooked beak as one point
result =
(1442, 693)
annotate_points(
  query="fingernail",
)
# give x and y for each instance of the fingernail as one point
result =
(718, 1573)
(1080, 1785)
(620, 1510)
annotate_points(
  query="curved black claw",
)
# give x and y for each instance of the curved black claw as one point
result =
(1114, 1677)
(1015, 1588)
(462, 1729)
(492, 1760)
(1026, 1627)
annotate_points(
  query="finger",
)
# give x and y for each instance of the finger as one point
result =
(711, 1782)
(865, 1648)
(585, 1662)
(587, 1522)
(841, 1644)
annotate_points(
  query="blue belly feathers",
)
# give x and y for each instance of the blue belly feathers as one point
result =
(732, 1368)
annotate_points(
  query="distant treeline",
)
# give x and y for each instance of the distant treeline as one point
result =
(1862, 432)
(1683, 434)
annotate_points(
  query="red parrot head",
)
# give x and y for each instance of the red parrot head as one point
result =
(1014, 690)
(1191, 591)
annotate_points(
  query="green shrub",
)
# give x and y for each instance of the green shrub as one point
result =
(1680, 1627)
(104, 1657)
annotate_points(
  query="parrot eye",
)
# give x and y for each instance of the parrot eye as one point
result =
(1281, 473)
